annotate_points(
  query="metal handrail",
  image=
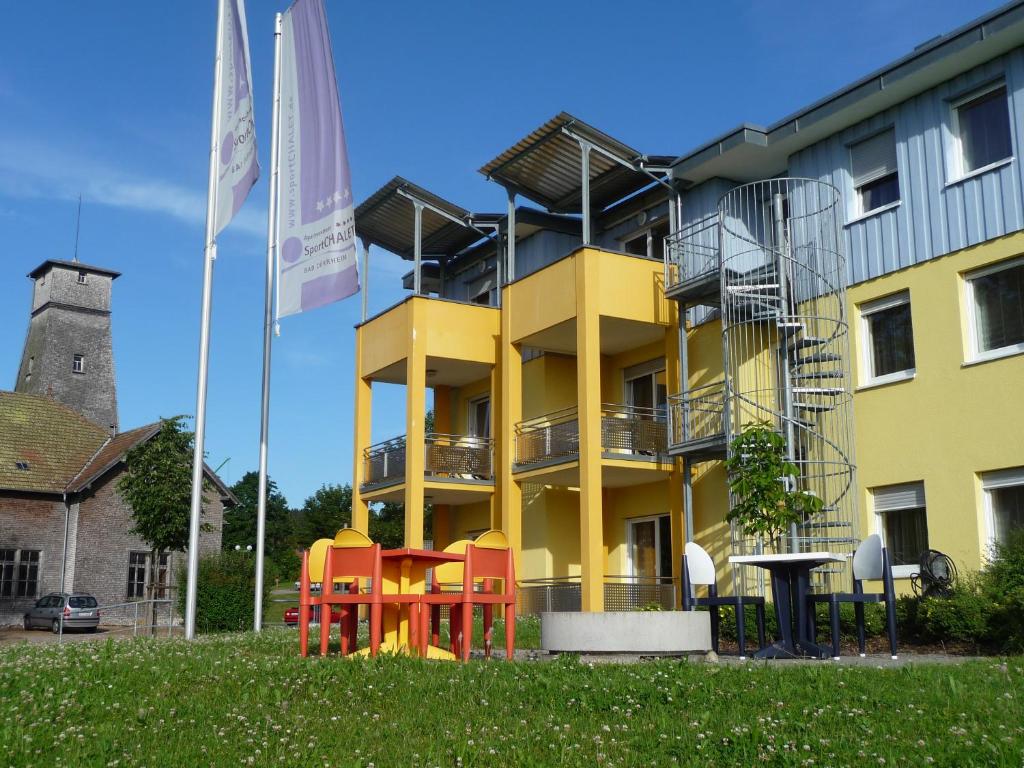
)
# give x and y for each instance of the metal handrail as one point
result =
(445, 455)
(626, 429)
(697, 414)
(692, 251)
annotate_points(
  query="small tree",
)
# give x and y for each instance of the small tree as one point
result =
(157, 484)
(759, 480)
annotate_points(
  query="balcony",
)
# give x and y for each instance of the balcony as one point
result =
(447, 460)
(627, 433)
(693, 262)
(697, 422)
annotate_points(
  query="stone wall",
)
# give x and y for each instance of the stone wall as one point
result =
(32, 521)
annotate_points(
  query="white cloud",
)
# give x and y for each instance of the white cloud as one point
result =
(30, 169)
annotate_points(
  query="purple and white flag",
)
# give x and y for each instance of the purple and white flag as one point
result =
(316, 222)
(238, 168)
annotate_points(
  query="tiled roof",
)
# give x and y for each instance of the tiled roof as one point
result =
(110, 455)
(43, 444)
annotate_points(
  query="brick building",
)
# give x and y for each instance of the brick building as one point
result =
(61, 455)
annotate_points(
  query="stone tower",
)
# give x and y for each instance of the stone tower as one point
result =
(69, 352)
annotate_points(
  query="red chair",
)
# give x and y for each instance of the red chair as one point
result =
(489, 558)
(350, 557)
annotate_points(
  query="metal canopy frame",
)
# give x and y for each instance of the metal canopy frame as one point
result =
(569, 166)
(438, 227)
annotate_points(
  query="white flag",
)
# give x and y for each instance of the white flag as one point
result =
(238, 168)
(317, 225)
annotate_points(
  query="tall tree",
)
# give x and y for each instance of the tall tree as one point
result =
(240, 521)
(323, 513)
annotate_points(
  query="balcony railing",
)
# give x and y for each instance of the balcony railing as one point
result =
(625, 429)
(451, 456)
(697, 416)
(692, 253)
(621, 593)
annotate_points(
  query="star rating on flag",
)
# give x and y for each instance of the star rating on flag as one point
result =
(332, 200)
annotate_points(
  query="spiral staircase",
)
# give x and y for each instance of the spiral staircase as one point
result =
(770, 265)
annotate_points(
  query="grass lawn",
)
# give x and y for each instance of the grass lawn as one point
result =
(247, 700)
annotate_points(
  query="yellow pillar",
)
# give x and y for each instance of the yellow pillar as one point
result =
(440, 515)
(415, 411)
(675, 479)
(507, 390)
(441, 525)
(361, 439)
(588, 398)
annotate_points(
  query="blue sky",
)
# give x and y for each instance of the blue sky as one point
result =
(112, 100)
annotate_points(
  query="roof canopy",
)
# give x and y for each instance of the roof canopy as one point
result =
(547, 166)
(388, 219)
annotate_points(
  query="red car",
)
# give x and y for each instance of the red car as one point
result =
(291, 616)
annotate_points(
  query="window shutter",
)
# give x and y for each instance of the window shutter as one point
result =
(1004, 478)
(873, 158)
(903, 496)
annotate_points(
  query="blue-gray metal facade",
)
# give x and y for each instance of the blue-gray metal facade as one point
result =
(938, 213)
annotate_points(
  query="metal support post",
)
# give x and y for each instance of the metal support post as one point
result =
(585, 191)
(366, 274)
(781, 249)
(417, 278)
(510, 249)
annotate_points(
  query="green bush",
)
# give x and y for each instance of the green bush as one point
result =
(224, 597)
(1003, 586)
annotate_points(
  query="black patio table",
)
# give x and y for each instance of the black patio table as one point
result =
(791, 581)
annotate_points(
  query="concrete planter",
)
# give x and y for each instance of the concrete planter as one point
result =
(669, 632)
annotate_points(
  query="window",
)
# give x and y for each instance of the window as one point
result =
(981, 125)
(19, 572)
(995, 305)
(137, 574)
(646, 390)
(875, 178)
(138, 570)
(903, 521)
(83, 277)
(1004, 502)
(649, 542)
(31, 367)
(78, 364)
(480, 417)
(650, 243)
(21, 465)
(887, 335)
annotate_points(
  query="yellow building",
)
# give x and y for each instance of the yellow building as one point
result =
(571, 412)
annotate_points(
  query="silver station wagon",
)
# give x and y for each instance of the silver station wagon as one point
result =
(79, 610)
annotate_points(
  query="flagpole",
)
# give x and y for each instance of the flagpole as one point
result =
(268, 326)
(209, 256)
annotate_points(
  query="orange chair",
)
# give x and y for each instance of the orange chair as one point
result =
(349, 557)
(488, 558)
(446, 583)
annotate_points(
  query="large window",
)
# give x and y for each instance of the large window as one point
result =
(649, 243)
(875, 178)
(646, 390)
(981, 124)
(995, 303)
(887, 337)
(903, 522)
(480, 417)
(138, 575)
(649, 540)
(19, 572)
(1004, 502)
